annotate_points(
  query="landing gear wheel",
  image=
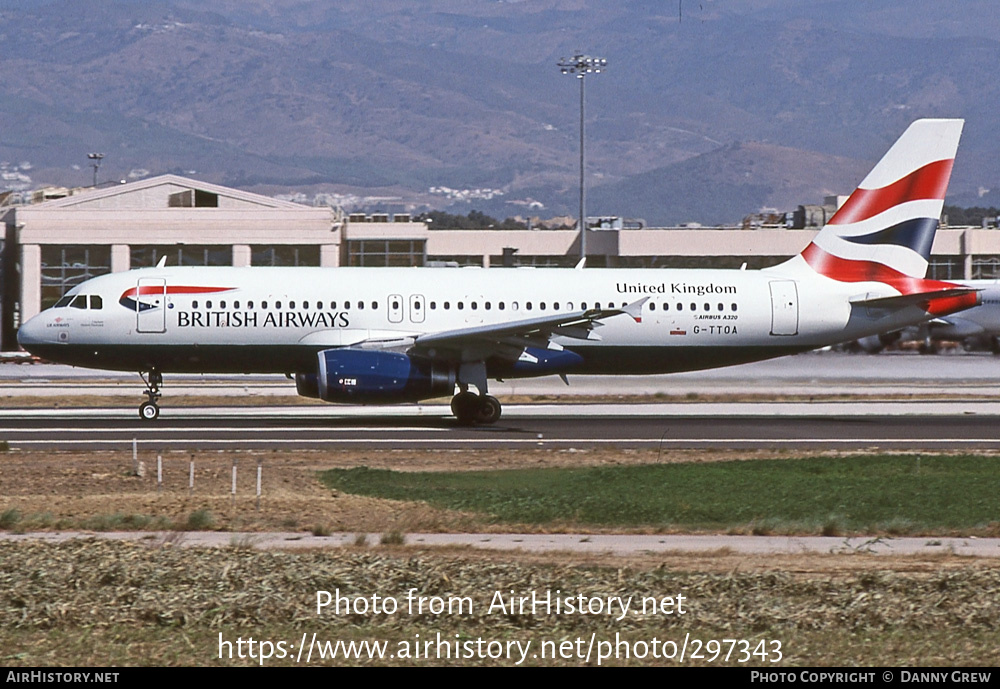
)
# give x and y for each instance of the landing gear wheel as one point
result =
(148, 411)
(489, 410)
(464, 406)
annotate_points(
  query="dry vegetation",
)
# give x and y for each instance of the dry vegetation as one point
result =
(65, 490)
(90, 602)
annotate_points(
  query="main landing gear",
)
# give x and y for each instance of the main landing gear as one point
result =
(470, 408)
(149, 410)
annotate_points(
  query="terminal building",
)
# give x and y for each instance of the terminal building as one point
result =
(67, 237)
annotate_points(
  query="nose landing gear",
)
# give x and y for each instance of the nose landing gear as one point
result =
(149, 410)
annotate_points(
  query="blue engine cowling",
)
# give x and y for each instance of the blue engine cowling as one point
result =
(360, 376)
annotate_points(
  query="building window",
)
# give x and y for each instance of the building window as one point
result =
(289, 255)
(65, 267)
(985, 267)
(386, 252)
(193, 198)
(147, 256)
(946, 268)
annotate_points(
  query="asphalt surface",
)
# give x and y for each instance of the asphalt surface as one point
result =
(892, 401)
(561, 426)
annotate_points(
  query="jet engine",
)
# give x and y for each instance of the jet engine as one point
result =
(358, 376)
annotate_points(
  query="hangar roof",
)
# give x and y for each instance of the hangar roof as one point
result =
(169, 191)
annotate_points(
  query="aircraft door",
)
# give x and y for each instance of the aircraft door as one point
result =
(151, 305)
(395, 308)
(784, 307)
(417, 308)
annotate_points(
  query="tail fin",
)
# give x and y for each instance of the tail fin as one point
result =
(884, 232)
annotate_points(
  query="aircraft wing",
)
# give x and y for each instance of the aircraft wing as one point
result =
(509, 339)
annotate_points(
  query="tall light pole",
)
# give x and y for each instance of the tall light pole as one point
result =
(95, 159)
(580, 66)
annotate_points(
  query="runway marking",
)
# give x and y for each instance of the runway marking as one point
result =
(225, 429)
(528, 441)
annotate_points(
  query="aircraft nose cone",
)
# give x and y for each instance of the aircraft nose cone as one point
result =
(32, 333)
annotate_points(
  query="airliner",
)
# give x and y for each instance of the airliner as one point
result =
(978, 327)
(385, 335)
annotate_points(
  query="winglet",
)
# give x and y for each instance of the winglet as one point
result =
(581, 264)
(162, 262)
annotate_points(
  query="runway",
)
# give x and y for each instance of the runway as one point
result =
(535, 426)
(890, 401)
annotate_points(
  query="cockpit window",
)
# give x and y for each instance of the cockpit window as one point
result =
(79, 302)
(96, 302)
(63, 302)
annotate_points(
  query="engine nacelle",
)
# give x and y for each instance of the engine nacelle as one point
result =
(358, 376)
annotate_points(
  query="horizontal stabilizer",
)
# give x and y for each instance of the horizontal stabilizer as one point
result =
(916, 298)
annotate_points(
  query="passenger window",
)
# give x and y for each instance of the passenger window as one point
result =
(291, 304)
(460, 306)
(708, 307)
(305, 305)
(208, 304)
(734, 306)
(666, 307)
(447, 305)
(194, 304)
(652, 306)
(474, 306)
(277, 304)
(236, 304)
(333, 305)
(487, 306)
(680, 307)
(361, 305)
(527, 306)
(347, 305)
(250, 304)
(222, 304)
(513, 305)
(721, 307)
(583, 305)
(694, 307)
(263, 305)
(79, 302)
(96, 302)
(500, 306)
(542, 306)
(374, 304)
(555, 306)
(434, 306)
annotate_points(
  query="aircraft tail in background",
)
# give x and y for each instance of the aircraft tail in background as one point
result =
(885, 229)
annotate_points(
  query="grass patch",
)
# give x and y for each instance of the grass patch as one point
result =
(9, 518)
(200, 520)
(898, 494)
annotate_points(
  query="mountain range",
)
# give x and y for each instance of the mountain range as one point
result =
(707, 110)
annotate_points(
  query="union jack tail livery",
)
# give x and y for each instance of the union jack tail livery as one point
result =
(884, 232)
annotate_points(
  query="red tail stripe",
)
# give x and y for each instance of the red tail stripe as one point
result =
(929, 182)
(849, 270)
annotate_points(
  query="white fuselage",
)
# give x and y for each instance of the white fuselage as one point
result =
(277, 319)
